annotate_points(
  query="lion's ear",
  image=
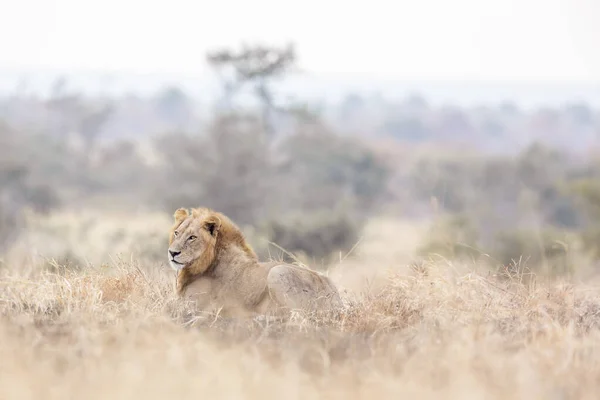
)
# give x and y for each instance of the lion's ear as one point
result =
(180, 214)
(212, 225)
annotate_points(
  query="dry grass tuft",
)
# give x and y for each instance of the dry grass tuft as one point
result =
(119, 288)
(120, 333)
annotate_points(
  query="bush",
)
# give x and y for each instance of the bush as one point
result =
(547, 250)
(321, 235)
(322, 169)
(454, 237)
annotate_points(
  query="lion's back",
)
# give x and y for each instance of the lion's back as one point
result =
(302, 287)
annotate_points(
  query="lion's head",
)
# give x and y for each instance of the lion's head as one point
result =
(193, 240)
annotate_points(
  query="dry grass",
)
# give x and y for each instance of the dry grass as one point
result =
(433, 331)
(119, 333)
(91, 235)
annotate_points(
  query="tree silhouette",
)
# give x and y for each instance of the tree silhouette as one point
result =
(257, 66)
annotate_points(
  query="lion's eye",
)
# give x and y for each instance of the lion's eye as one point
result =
(192, 237)
(175, 233)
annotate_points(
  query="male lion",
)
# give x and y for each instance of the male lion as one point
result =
(219, 270)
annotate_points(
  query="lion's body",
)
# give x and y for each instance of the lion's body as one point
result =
(220, 271)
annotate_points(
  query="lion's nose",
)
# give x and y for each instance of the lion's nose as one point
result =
(174, 253)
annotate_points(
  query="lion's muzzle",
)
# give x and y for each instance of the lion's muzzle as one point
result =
(174, 263)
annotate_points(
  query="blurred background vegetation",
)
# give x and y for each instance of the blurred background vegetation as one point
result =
(497, 185)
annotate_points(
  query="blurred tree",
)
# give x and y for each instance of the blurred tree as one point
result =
(538, 166)
(546, 250)
(173, 105)
(319, 234)
(509, 109)
(453, 123)
(415, 103)
(75, 115)
(449, 179)
(228, 169)
(580, 113)
(17, 191)
(326, 188)
(258, 66)
(335, 169)
(453, 236)
(67, 107)
(352, 104)
(411, 129)
(587, 191)
(91, 123)
(493, 127)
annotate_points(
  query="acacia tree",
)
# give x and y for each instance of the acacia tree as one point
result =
(257, 66)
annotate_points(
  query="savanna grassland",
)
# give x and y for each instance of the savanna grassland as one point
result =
(464, 240)
(419, 330)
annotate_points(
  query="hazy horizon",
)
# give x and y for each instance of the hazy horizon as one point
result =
(326, 88)
(531, 52)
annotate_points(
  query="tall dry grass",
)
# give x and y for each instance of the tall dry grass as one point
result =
(115, 330)
(432, 332)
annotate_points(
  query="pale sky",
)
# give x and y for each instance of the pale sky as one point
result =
(514, 40)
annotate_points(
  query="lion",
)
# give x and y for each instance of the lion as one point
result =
(219, 270)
